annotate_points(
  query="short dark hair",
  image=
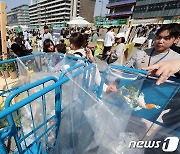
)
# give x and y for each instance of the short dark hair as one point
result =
(123, 40)
(45, 27)
(61, 48)
(77, 39)
(111, 27)
(15, 47)
(174, 30)
(62, 41)
(46, 45)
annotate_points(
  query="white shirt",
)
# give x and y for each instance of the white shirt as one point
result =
(109, 39)
(80, 53)
(25, 35)
(27, 45)
(9, 43)
(120, 48)
(46, 36)
(142, 58)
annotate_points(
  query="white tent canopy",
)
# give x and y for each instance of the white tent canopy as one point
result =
(79, 21)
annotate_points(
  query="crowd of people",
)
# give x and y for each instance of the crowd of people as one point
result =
(162, 44)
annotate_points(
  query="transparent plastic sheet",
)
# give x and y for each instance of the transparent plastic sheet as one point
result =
(30, 65)
(74, 127)
(109, 124)
(34, 69)
(32, 116)
(155, 109)
(110, 119)
(140, 93)
(90, 126)
(37, 106)
(59, 62)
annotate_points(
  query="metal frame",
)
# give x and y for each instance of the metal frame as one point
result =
(11, 129)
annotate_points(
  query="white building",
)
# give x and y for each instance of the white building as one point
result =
(52, 11)
(18, 16)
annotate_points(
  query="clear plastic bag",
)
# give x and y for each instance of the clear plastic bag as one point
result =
(141, 93)
(153, 107)
(75, 133)
(53, 64)
(112, 121)
(89, 125)
(30, 65)
(33, 69)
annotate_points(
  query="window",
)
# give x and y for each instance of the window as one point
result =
(142, 8)
(172, 5)
(156, 7)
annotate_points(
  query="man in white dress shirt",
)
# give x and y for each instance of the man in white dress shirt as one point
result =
(108, 42)
(46, 34)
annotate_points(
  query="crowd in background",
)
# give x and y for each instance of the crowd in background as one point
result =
(24, 43)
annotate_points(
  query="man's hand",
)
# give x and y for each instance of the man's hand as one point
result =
(164, 70)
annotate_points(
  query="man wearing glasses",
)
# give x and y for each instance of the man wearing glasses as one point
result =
(165, 37)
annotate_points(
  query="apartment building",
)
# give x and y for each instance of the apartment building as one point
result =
(165, 9)
(120, 9)
(53, 11)
(18, 16)
(87, 9)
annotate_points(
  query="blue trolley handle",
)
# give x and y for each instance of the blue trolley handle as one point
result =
(69, 56)
(71, 69)
(137, 71)
(9, 109)
(17, 59)
(27, 87)
(129, 69)
(24, 57)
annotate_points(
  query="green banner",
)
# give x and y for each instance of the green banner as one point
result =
(34, 27)
(18, 29)
(60, 25)
(167, 21)
(123, 21)
(111, 22)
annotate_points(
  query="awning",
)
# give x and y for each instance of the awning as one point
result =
(78, 21)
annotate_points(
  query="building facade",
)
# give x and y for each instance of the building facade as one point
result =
(87, 9)
(53, 11)
(165, 9)
(18, 16)
(120, 8)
